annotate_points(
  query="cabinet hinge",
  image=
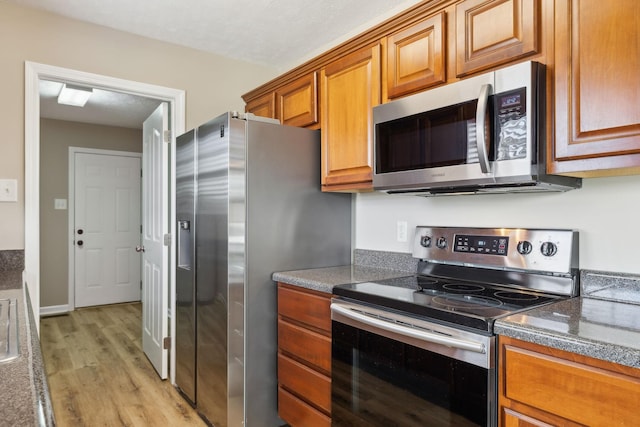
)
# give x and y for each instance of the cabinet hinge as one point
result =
(167, 239)
(166, 343)
(167, 136)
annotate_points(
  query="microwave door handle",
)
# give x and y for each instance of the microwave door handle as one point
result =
(481, 136)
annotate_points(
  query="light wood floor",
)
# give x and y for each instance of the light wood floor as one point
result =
(99, 376)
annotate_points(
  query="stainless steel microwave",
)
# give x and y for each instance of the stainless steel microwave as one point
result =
(430, 144)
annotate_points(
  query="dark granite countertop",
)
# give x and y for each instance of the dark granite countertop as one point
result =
(367, 266)
(324, 279)
(24, 393)
(603, 323)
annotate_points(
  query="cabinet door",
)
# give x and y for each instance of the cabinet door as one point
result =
(494, 32)
(416, 57)
(350, 89)
(264, 106)
(577, 389)
(597, 113)
(298, 101)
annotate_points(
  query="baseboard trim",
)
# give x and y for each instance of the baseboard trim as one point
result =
(54, 310)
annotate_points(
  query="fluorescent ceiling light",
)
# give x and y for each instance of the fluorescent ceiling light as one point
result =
(74, 95)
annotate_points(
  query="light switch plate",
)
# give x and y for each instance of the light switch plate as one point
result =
(60, 204)
(8, 190)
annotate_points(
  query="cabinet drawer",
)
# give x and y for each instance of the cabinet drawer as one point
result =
(585, 394)
(305, 307)
(297, 413)
(308, 346)
(512, 418)
(304, 382)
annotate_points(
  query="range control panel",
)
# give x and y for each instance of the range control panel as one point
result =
(481, 244)
(544, 250)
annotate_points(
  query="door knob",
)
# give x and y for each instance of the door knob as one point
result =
(80, 231)
(80, 242)
(139, 248)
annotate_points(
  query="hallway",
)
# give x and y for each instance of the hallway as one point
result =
(99, 376)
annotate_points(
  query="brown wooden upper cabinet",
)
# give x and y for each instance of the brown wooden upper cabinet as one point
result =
(591, 49)
(264, 106)
(294, 104)
(298, 101)
(416, 57)
(597, 88)
(350, 90)
(494, 32)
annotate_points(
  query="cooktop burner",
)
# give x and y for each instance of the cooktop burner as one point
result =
(467, 304)
(461, 287)
(519, 296)
(466, 301)
(482, 294)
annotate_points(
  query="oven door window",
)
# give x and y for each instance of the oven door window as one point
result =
(377, 381)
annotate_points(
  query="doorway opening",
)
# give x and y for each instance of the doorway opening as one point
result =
(34, 73)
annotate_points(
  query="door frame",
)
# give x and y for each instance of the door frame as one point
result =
(71, 212)
(34, 72)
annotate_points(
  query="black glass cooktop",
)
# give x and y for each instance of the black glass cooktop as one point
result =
(469, 304)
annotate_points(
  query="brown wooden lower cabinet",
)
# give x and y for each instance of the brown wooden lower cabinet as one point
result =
(512, 418)
(304, 356)
(307, 346)
(541, 386)
(297, 413)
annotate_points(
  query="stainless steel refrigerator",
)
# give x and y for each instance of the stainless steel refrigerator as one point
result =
(248, 203)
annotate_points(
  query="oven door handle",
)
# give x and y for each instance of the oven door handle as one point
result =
(414, 333)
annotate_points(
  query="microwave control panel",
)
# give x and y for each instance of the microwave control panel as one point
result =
(511, 124)
(511, 105)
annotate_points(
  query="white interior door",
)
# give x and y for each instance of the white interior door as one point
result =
(155, 225)
(106, 229)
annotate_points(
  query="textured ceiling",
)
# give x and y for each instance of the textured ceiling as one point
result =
(103, 108)
(276, 33)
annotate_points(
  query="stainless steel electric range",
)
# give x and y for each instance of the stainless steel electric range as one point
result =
(420, 350)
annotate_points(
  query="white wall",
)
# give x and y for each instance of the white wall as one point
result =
(606, 212)
(213, 84)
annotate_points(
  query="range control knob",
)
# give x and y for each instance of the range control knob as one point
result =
(425, 241)
(548, 249)
(441, 242)
(524, 247)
